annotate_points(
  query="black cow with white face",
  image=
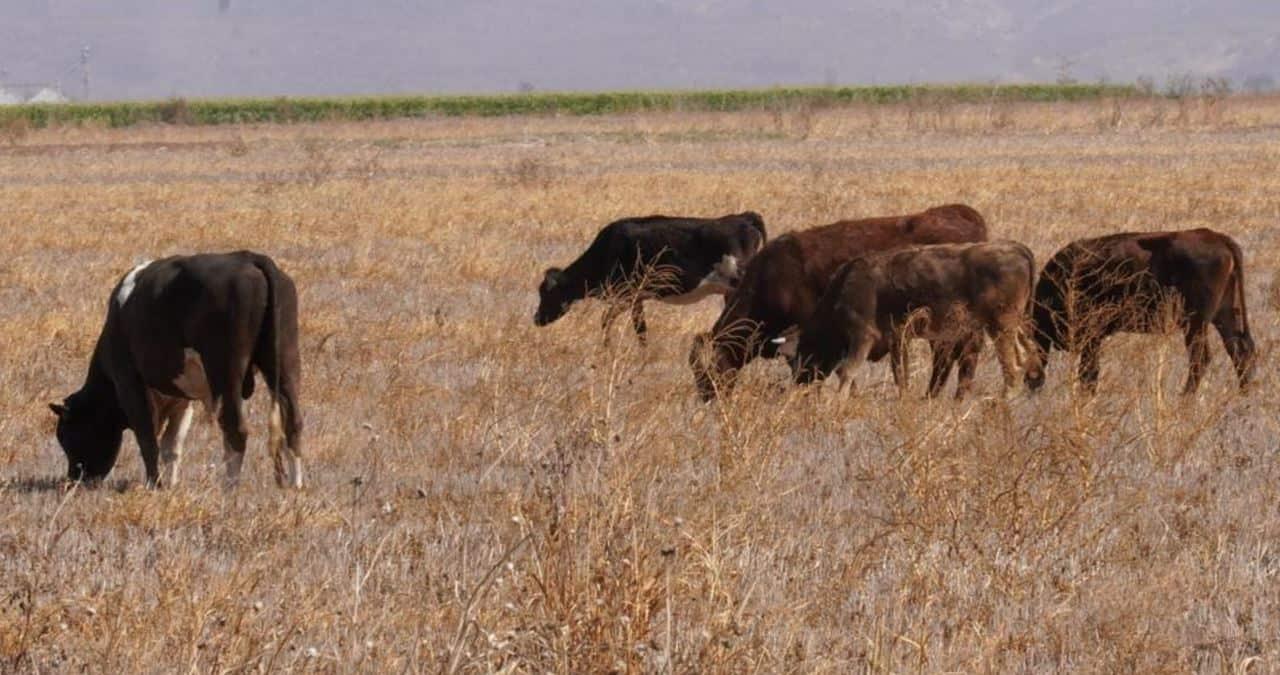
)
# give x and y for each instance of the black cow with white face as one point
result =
(674, 260)
(181, 330)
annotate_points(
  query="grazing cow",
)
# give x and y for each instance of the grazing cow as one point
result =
(1144, 283)
(184, 329)
(675, 260)
(947, 293)
(782, 284)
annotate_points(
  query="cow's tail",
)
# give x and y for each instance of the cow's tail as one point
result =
(268, 345)
(1240, 346)
(757, 222)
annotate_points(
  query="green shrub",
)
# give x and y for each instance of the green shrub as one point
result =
(289, 110)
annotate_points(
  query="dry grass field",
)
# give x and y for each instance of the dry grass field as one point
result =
(488, 496)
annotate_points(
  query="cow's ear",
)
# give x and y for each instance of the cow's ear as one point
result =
(58, 409)
(552, 277)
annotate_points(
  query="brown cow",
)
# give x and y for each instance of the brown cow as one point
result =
(1093, 288)
(948, 293)
(781, 285)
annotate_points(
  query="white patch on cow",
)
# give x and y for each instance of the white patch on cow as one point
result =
(703, 290)
(727, 268)
(719, 281)
(130, 280)
(192, 381)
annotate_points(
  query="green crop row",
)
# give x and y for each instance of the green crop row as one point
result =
(286, 110)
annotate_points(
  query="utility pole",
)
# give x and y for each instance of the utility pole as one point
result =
(84, 70)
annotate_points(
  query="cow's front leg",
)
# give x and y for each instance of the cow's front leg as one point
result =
(611, 311)
(1090, 353)
(1197, 341)
(637, 321)
(175, 416)
(1006, 342)
(845, 369)
(136, 404)
(900, 361)
(944, 358)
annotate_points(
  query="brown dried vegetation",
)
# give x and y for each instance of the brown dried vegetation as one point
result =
(488, 496)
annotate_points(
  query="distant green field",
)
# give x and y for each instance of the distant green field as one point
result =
(286, 110)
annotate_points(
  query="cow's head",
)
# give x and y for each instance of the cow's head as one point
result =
(555, 294)
(814, 355)
(715, 360)
(701, 359)
(1033, 361)
(90, 434)
(808, 360)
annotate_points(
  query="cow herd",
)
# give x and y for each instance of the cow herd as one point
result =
(830, 297)
(195, 328)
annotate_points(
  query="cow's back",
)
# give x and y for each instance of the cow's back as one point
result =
(634, 243)
(790, 273)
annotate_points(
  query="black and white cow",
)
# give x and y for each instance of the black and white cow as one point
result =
(674, 260)
(180, 330)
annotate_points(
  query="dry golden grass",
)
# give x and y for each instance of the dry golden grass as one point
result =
(489, 496)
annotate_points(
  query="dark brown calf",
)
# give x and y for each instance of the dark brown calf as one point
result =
(1129, 282)
(782, 284)
(949, 294)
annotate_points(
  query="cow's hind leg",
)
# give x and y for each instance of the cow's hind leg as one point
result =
(178, 415)
(227, 377)
(235, 436)
(286, 455)
(945, 355)
(1237, 341)
(285, 432)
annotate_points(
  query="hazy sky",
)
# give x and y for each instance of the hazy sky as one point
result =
(162, 48)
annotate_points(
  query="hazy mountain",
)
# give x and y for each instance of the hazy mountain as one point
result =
(158, 48)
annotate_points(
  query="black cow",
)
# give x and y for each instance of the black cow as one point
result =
(1093, 288)
(675, 260)
(184, 329)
